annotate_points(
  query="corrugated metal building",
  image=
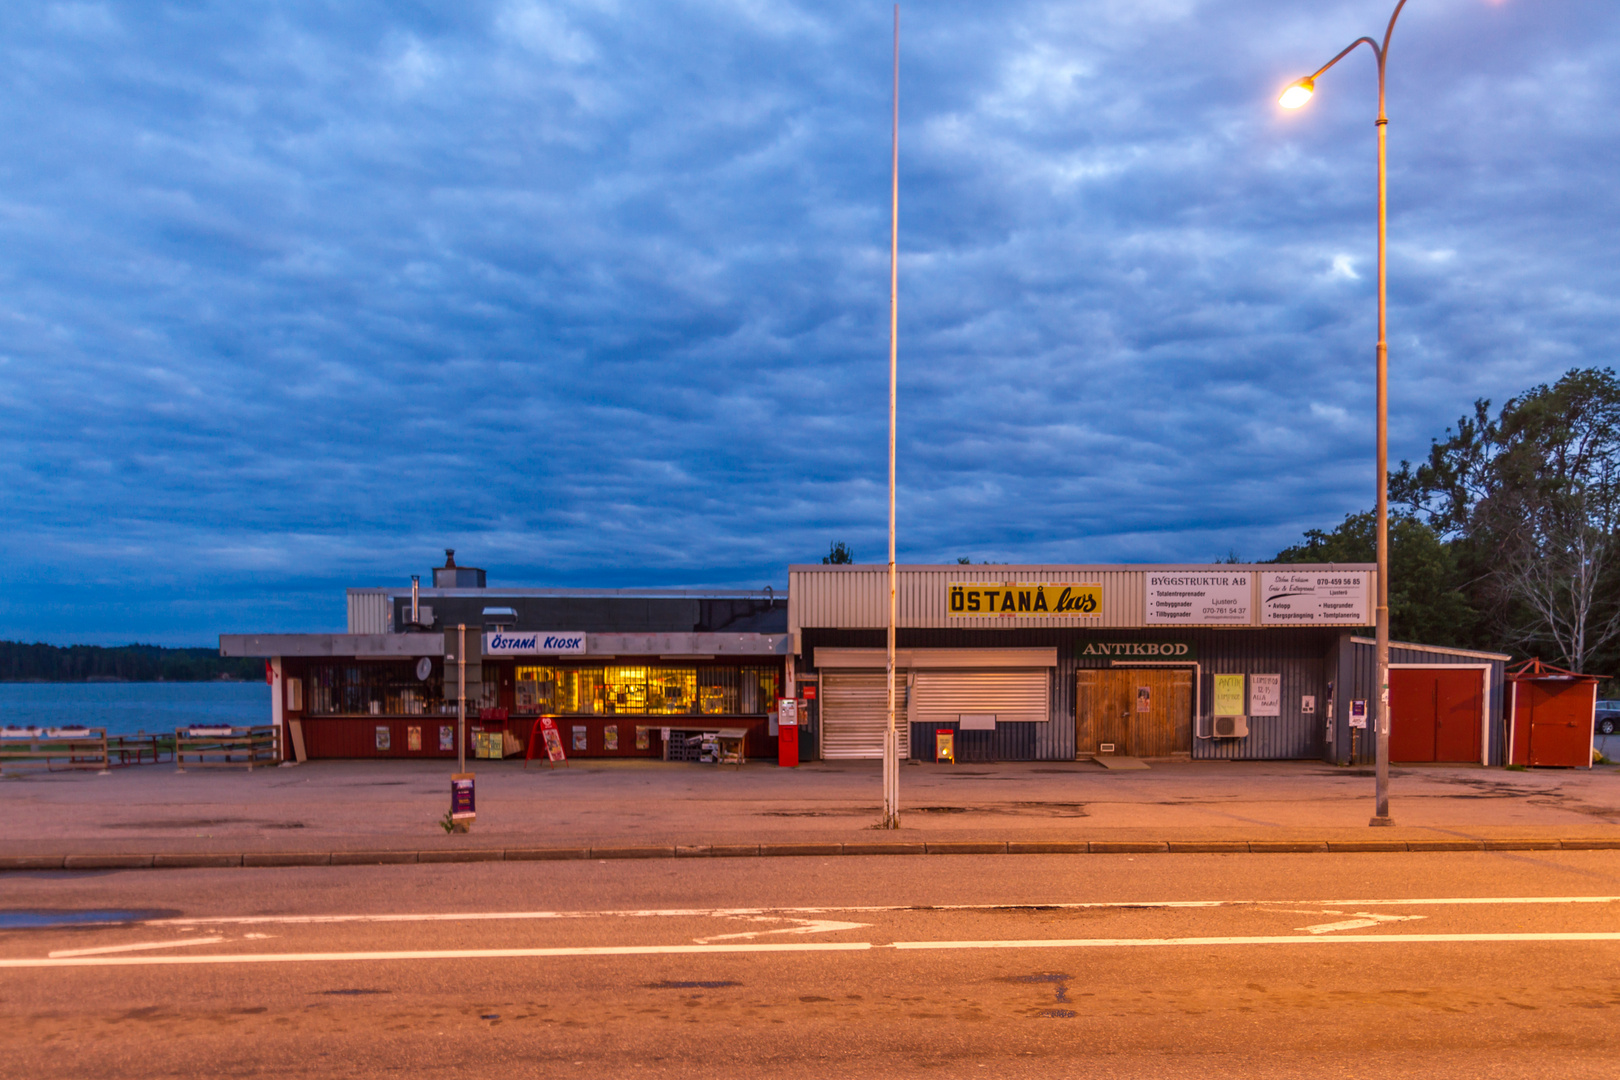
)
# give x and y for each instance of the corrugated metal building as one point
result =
(1235, 662)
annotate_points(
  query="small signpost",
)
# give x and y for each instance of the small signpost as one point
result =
(463, 654)
(545, 729)
(463, 806)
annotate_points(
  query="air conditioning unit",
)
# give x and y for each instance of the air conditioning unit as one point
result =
(1231, 727)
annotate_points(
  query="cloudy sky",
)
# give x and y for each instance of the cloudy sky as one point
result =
(293, 295)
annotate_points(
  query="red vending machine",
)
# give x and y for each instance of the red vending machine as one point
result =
(787, 732)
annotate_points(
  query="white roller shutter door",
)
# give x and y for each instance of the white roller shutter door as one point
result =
(939, 697)
(855, 713)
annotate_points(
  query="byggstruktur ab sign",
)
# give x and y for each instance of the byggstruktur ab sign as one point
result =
(1198, 598)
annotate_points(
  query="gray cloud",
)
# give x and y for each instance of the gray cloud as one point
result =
(293, 295)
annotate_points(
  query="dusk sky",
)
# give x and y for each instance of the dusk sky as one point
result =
(295, 295)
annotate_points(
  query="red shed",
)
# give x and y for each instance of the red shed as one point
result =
(1551, 712)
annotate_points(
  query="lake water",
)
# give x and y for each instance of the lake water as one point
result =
(125, 708)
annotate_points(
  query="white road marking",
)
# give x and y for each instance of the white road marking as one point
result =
(806, 926)
(434, 954)
(755, 947)
(1373, 939)
(59, 953)
(486, 916)
(1363, 919)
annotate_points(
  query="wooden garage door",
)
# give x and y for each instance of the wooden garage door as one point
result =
(1435, 714)
(1144, 712)
(855, 712)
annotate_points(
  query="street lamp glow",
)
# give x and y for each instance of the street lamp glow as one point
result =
(1297, 94)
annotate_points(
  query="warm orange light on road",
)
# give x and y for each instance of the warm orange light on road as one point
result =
(1297, 94)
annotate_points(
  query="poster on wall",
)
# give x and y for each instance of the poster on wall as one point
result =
(413, 738)
(1307, 705)
(580, 742)
(385, 737)
(1336, 597)
(1358, 714)
(610, 738)
(643, 739)
(1265, 695)
(1198, 599)
(1228, 697)
(1144, 699)
(447, 737)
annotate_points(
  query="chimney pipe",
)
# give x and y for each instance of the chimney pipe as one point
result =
(416, 599)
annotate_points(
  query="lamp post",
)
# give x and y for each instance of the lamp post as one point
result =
(891, 735)
(1296, 95)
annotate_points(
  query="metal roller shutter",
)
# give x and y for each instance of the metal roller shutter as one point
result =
(855, 712)
(939, 697)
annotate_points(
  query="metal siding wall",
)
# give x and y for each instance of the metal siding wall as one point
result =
(857, 597)
(369, 612)
(1306, 658)
(1009, 742)
(1298, 655)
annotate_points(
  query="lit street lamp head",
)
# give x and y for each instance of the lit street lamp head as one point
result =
(1297, 94)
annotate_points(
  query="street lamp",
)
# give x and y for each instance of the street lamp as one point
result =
(1296, 95)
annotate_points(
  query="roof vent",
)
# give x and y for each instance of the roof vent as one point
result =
(451, 576)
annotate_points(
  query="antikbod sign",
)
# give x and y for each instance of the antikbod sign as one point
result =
(1138, 650)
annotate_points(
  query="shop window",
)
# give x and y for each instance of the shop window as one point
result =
(637, 690)
(671, 691)
(625, 690)
(718, 689)
(535, 690)
(376, 689)
(758, 690)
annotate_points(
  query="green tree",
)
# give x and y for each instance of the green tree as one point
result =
(838, 554)
(1425, 602)
(1531, 500)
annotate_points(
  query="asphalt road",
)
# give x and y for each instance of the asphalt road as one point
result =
(1467, 964)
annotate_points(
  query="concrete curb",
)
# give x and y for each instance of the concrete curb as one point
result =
(209, 860)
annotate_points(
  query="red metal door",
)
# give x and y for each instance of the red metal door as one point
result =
(1459, 707)
(1560, 721)
(1413, 697)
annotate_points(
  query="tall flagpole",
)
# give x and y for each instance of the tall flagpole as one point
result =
(891, 740)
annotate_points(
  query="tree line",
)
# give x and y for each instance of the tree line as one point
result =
(1507, 536)
(37, 662)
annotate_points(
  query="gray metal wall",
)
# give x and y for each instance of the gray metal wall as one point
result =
(1301, 656)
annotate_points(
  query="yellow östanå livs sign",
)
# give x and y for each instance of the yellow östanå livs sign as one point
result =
(981, 600)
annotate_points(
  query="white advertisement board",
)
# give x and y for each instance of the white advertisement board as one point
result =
(1197, 599)
(1265, 695)
(1336, 597)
